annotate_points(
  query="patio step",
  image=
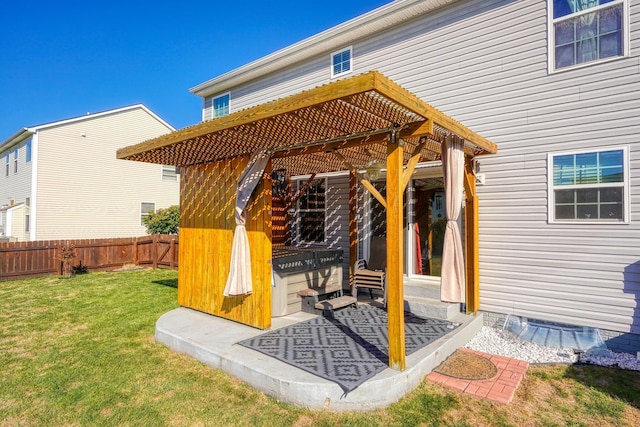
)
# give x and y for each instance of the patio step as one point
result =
(428, 307)
(423, 299)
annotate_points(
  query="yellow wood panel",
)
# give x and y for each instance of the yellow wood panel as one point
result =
(206, 236)
(471, 240)
(395, 291)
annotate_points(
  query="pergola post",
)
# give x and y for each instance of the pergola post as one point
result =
(395, 291)
(471, 238)
(353, 225)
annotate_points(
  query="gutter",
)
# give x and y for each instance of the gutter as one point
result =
(377, 20)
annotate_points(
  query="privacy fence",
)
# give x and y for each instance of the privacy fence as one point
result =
(20, 260)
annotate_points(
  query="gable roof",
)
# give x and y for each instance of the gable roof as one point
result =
(27, 132)
(379, 19)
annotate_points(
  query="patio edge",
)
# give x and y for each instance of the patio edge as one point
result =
(212, 340)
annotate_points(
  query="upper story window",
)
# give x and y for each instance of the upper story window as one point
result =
(311, 212)
(169, 173)
(15, 161)
(341, 62)
(584, 31)
(589, 186)
(28, 150)
(7, 159)
(220, 106)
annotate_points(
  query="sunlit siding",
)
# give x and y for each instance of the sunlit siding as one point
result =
(485, 64)
(84, 191)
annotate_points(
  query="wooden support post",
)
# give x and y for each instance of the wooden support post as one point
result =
(395, 290)
(471, 238)
(154, 250)
(353, 226)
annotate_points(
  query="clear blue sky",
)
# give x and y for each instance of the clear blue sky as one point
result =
(63, 58)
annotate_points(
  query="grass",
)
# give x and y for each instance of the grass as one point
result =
(80, 352)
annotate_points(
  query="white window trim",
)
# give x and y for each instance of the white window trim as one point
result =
(298, 211)
(626, 191)
(344, 73)
(168, 178)
(551, 36)
(213, 110)
(146, 213)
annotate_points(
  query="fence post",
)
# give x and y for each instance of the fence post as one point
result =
(173, 254)
(135, 251)
(154, 250)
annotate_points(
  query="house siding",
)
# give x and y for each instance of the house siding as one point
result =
(336, 227)
(16, 187)
(485, 63)
(84, 191)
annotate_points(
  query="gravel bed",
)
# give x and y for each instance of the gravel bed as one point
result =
(494, 341)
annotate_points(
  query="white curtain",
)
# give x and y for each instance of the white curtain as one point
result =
(452, 287)
(239, 280)
(586, 30)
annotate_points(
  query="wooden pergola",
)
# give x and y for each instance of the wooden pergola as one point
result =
(343, 125)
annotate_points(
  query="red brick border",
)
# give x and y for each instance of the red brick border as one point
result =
(501, 388)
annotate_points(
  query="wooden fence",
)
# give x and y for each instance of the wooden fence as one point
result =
(20, 260)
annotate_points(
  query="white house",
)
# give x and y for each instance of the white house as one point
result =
(62, 180)
(556, 85)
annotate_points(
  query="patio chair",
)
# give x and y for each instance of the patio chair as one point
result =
(371, 275)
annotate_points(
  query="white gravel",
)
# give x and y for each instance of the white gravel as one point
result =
(495, 341)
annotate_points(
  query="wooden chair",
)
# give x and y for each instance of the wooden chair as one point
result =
(371, 275)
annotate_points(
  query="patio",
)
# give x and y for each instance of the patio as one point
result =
(214, 341)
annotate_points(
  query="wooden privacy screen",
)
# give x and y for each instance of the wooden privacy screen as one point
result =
(207, 198)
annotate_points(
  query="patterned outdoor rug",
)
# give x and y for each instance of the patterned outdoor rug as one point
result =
(349, 348)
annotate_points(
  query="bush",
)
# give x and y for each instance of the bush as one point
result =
(163, 221)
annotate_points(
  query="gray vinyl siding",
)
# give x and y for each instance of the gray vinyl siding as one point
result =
(336, 220)
(485, 63)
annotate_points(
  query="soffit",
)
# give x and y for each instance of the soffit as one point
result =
(354, 116)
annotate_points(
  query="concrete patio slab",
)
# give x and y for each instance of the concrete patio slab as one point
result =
(213, 341)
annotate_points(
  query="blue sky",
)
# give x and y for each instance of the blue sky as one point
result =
(63, 58)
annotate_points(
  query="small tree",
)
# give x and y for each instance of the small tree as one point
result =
(163, 221)
(66, 253)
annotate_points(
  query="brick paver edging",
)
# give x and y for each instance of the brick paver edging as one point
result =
(501, 388)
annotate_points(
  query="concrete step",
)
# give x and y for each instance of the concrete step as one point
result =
(428, 307)
(422, 290)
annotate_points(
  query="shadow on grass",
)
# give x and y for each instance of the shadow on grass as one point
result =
(620, 384)
(172, 283)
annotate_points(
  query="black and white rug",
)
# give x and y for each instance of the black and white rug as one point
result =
(349, 348)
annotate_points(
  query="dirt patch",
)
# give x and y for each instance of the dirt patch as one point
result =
(468, 366)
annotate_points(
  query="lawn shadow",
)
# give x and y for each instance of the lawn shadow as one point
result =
(172, 283)
(619, 384)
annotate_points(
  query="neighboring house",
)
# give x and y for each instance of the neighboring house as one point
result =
(62, 180)
(556, 85)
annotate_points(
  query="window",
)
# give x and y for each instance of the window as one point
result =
(28, 150)
(7, 159)
(220, 106)
(589, 186)
(146, 209)
(15, 161)
(169, 173)
(341, 62)
(311, 212)
(586, 31)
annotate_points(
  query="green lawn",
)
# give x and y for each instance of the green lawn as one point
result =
(80, 352)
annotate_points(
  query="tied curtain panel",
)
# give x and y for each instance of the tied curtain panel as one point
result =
(239, 280)
(452, 287)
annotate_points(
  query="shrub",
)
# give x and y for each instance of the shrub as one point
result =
(163, 221)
